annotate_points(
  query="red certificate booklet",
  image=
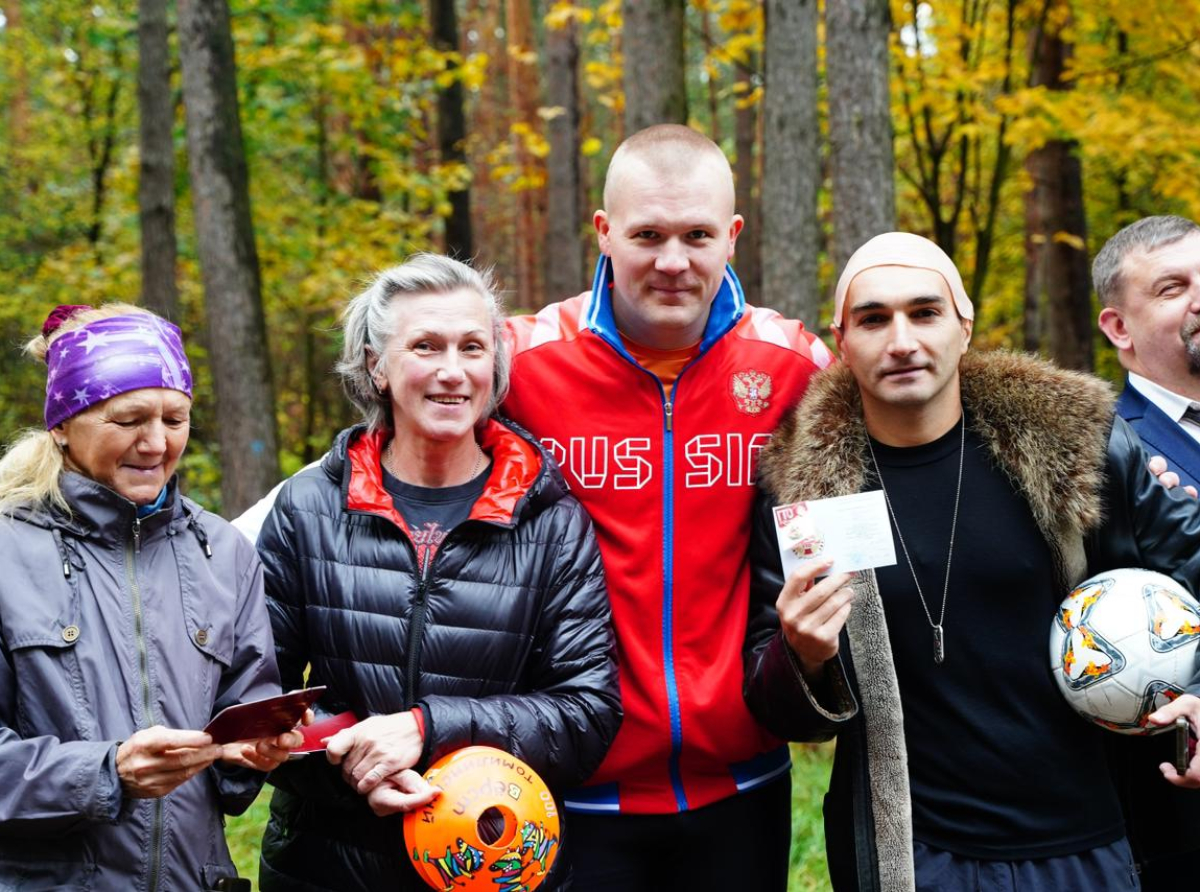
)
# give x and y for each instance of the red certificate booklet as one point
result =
(268, 717)
(318, 733)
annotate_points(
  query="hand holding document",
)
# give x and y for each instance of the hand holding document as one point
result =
(318, 733)
(268, 717)
(852, 531)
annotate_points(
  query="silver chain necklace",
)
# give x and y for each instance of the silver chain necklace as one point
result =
(939, 649)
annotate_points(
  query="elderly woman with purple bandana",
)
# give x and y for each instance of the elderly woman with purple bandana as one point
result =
(129, 617)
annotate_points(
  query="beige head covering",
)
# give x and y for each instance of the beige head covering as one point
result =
(902, 249)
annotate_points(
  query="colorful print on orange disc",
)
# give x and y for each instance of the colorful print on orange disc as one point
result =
(495, 826)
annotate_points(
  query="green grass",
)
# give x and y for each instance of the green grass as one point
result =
(810, 777)
(244, 835)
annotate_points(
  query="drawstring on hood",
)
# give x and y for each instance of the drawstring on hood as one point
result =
(66, 529)
(67, 547)
(198, 531)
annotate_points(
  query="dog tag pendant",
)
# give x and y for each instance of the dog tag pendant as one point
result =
(939, 650)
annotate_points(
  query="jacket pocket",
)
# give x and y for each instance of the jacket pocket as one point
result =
(209, 603)
(40, 625)
(213, 872)
(212, 636)
(51, 696)
(45, 616)
(46, 865)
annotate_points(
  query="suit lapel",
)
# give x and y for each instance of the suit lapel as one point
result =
(1162, 435)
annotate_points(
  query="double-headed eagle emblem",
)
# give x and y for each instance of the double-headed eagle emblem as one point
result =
(751, 391)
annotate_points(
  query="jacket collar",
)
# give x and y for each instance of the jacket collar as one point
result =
(1046, 428)
(727, 308)
(99, 513)
(517, 466)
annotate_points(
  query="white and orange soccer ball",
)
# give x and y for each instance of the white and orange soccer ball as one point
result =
(1122, 644)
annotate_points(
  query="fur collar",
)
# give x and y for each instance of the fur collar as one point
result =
(1046, 428)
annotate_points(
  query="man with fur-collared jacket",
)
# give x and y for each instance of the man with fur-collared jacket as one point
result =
(1007, 481)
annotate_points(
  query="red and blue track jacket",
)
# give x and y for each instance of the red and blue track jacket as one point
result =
(669, 486)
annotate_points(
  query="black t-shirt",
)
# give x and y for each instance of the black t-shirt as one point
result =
(432, 512)
(999, 764)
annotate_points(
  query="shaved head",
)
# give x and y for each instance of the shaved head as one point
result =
(668, 230)
(668, 153)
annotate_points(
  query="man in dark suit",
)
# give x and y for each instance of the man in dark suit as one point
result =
(1147, 277)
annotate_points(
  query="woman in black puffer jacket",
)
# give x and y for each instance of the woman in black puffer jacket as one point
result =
(435, 574)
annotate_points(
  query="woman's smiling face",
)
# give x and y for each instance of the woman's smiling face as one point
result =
(440, 365)
(131, 442)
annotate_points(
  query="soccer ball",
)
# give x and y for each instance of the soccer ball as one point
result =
(1122, 644)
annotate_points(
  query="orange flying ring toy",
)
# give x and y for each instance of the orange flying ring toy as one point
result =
(495, 827)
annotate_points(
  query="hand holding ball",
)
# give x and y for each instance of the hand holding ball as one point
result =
(1123, 644)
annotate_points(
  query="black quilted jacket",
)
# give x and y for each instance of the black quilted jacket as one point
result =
(506, 641)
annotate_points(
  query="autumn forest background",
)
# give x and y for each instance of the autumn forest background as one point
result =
(244, 166)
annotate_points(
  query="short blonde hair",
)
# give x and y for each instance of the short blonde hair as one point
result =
(32, 465)
(662, 147)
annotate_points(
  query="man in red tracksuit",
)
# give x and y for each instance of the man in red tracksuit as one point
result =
(655, 391)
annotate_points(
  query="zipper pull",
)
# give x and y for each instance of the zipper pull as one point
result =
(137, 535)
(668, 410)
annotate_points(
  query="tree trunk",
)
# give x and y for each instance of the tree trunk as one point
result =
(493, 209)
(156, 177)
(655, 88)
(241, 372)
(18, 106)
(791, 161)
(99, 96)
(985, 234)
(860, 123)
(746, 179)
(564, 260)
(1057, 275)
(1057, 263)
(452, 133)
(711, 87)
(1033, 322)
(530, 196)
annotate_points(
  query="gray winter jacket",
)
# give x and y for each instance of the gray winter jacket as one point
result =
(108, 625)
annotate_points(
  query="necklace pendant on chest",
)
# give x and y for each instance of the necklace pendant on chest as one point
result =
(939, 648)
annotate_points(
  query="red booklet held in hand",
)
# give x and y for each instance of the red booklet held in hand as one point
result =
(318, 733)
(268, 717)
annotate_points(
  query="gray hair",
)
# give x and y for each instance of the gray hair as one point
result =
(1147, 234)
(367, 327)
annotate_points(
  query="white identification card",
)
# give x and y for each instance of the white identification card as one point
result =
(852, 531)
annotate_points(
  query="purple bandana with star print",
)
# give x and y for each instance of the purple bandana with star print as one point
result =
(112, 356)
